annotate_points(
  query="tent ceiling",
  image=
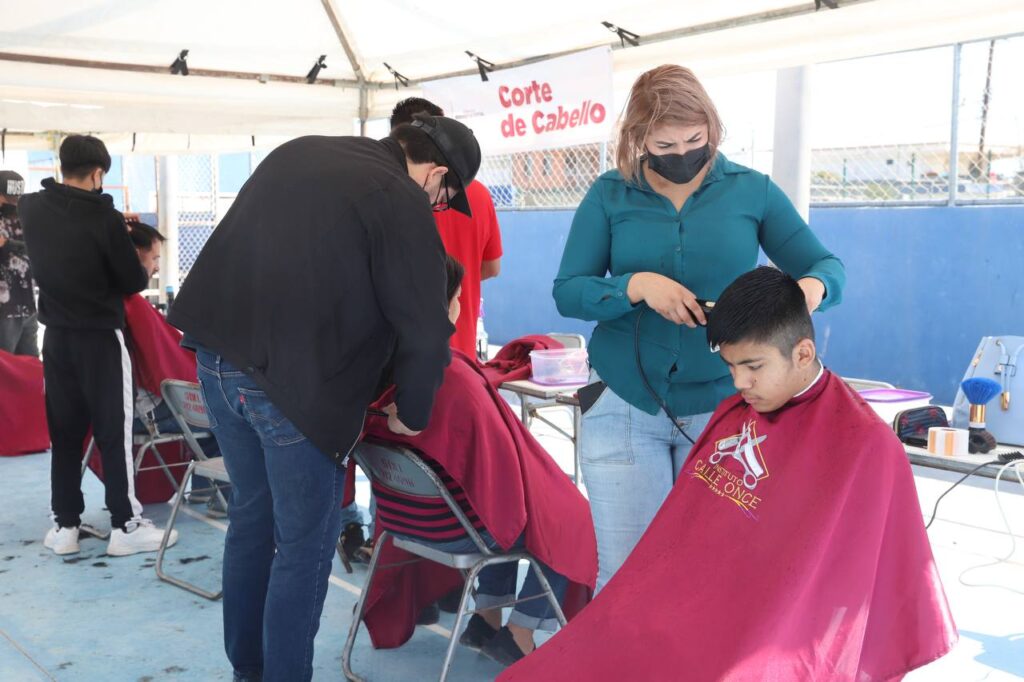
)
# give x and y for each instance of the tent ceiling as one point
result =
(420, 39)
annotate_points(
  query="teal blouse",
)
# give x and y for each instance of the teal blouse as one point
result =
(621, 228)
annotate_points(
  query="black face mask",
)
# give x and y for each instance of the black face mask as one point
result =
(679, 168)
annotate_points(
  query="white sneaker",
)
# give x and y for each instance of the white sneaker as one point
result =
(141, 536)
(62, 540)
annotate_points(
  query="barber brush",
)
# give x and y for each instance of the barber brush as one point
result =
(979, 392)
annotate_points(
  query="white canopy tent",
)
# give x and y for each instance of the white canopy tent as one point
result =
(103, 65)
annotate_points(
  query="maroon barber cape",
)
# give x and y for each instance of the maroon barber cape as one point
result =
(511, 483)
(791, 548)
(156, 350)
(22, 406)
(513, 360)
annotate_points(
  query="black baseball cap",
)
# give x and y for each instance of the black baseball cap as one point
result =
(12, 185)
(459, 148)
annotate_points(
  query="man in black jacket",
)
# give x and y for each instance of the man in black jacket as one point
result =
(327, 264)
(85, 264)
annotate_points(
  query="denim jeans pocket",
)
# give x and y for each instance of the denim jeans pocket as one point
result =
(207, 383)
(605, 434)
(272, 426)
(206, 362)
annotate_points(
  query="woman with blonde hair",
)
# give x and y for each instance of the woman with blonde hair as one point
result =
(666, 232)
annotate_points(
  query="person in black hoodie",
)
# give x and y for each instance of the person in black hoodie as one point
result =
(327, 264)
(85, 264)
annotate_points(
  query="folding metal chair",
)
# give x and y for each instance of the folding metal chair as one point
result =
(148, 442)
(402, 471)
(185, 401)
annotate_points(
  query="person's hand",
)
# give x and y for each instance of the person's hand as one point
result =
(395, 424)
(3, 241)
(668, 298)
(814, 292)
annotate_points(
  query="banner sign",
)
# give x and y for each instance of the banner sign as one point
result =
(557, 103)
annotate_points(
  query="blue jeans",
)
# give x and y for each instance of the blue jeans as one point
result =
(497, 584)
(285, 518)
(630, 461)
(351, 514)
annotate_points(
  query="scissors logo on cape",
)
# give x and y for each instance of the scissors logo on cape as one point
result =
(745, 449)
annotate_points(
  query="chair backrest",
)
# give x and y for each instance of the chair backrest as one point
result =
(569, 340)
(401, 470)
(862, 384)
(185, 401)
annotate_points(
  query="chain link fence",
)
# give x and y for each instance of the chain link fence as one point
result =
(990, 116)
(197, 206)
(553, 178)
(883, 173)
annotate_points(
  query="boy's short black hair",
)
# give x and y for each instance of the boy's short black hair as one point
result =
(455, 272)
(82, 154)
(764, 305)
(405, 110)
(144, 236)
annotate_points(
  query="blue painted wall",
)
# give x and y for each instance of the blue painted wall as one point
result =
(924, 284)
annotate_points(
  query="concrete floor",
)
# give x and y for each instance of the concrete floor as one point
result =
(94, 617)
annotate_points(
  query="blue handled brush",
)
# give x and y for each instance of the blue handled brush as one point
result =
(979, 392)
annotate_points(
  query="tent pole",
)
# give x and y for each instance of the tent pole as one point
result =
(364, 108)
(353, 60)
(791, 162)
(167, 220)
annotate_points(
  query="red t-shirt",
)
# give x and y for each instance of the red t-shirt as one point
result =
(471, 241)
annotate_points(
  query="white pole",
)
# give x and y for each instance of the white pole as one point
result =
(791, 163)
(167, 220)
(954, 131)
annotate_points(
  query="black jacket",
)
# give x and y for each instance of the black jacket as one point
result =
(82, 257)
(327, 263)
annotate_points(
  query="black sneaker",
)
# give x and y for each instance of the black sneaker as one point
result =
(503, 648)
(429, 615)
(477, 633)
(352, 539)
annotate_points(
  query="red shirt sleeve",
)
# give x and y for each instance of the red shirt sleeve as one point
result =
(489, 222)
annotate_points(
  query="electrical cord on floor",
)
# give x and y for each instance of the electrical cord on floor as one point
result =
(1015, 463)
(647, 384)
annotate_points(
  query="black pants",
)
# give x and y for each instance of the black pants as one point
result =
(88, 379)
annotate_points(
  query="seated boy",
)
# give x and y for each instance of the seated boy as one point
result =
(792, 546)
(156, 353)
(513, 492)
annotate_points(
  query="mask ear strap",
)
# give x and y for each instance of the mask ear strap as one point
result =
(437, 197)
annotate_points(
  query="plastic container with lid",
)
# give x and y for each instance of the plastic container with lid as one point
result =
(559, 367)
(889, 402)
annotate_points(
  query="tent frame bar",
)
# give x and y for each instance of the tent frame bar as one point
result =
(360, 82)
